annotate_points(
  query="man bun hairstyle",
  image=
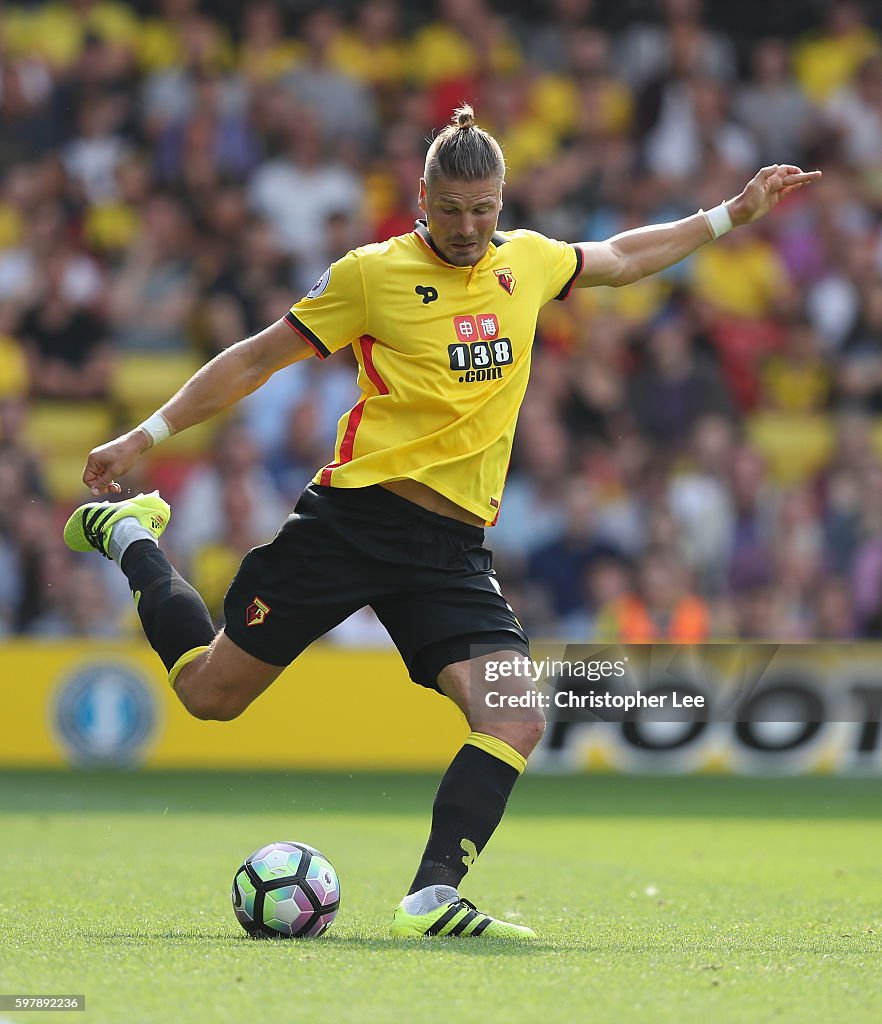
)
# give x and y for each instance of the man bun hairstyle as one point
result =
(464, 152)
(464, 117)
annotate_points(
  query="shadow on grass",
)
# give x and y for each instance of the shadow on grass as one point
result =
(294, 794)
(483, 946)
(365, 943)
(695, 949)
(122, 935)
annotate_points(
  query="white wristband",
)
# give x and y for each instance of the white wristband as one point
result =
(718, 220)
(157, 428)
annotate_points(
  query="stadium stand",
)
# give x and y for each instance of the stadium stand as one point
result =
(699, 455)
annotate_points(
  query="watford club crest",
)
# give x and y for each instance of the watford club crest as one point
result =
(256, 612)
(506, 279)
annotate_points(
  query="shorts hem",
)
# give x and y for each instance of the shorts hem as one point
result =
(248, 648)
(428, 662)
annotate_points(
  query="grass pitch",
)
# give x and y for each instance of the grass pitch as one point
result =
(657, 900)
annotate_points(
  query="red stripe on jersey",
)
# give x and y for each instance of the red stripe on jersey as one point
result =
(347, 444)
(367, 347)
(494, 503)
(348, 441)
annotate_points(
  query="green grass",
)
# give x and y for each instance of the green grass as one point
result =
(731, 901)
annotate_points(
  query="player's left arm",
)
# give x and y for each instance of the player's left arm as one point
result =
(632, 255)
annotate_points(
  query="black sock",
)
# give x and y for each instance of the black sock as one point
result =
(468, 806)
(172, 613)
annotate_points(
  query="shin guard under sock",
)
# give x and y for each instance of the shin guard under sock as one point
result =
(172, 613)
(468, 806)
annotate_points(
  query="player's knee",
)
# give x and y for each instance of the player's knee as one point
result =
(215, 710)
(532, 730)
(208, 705)
(523, 734)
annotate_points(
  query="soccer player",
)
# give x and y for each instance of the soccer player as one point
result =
(442, 322)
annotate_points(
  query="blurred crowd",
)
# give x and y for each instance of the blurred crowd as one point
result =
(699, 455)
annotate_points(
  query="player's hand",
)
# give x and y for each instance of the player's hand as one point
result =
(113, 459)
(768, 187)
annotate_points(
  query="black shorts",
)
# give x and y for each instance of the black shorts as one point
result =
(428, 577)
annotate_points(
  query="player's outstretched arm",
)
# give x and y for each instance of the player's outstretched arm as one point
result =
(228, 378)
(632, 255)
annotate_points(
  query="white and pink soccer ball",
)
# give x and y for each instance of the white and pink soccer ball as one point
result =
(286, 890)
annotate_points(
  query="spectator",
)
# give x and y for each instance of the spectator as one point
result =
(675, 387)
(547, 44)
(66, 342)
(695, 125)
(661, 608)
(342, 106)
(154, 294)
(772, 106)
(648, 49)
(796, 380)
(199, 512)
(93, 157)
(595, 403)
(80, 604)
(741, 277)
(241, 527)
(297, 192)
(856, 114)
(560, 565)
(753, 503)
(267, 50)
(700, 501)
(834, 616)
(373, 51)
(825, 61)
(531, 513)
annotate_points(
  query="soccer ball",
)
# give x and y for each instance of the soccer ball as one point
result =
(286, 890)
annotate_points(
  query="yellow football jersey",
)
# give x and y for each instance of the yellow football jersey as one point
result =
(443, 357)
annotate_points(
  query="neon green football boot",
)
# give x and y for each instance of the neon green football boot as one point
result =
(90, 525)
(455, 917)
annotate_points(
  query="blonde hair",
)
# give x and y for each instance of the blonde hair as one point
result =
(464, 152)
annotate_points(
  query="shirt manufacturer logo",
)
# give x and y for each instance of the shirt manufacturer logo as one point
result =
(428, 293)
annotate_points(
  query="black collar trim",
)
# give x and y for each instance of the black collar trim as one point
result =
(422, 229)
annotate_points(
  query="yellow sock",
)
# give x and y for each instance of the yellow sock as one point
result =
(498, 748)
(184, 659)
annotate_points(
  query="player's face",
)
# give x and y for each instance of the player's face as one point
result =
(462, 216)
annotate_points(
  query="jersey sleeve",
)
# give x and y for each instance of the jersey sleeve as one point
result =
(332, 314)
(563, 264)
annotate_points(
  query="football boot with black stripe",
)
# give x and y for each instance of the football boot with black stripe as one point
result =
(458, 917)
(89, 527)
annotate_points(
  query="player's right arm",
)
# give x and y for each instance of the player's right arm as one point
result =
(221, 383)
